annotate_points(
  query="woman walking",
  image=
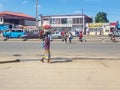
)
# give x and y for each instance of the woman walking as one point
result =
(47, 48)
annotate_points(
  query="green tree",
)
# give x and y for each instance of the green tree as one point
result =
(101, 17)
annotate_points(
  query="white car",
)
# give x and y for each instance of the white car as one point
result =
(117, 33)
(56, 35)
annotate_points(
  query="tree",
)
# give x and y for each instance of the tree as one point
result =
(101, 17)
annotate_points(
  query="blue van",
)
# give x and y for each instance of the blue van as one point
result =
(14, 33)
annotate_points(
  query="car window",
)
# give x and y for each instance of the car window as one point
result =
(13, 31)
(57, 32)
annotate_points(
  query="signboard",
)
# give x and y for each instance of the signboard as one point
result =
(95, 25)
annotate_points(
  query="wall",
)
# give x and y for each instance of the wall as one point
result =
(29, 23)
(1, 20)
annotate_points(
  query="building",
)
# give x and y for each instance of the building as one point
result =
(14, 19)
(68, 22)
(98, 28)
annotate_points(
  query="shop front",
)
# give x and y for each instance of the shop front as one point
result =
(98, 28)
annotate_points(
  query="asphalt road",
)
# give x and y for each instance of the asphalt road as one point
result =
(73, 75)
(33, 50)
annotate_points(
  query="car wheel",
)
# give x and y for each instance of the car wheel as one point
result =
(7, 36)
(25, 39)
(59, 37)
(18, 36)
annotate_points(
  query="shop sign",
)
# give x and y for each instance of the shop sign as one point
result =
(95, 25)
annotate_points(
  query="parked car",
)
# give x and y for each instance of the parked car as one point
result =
(31, 35)
(116, 33)
(14, 33)
(56, 35)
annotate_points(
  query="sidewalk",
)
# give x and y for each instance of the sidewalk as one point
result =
(73, 75)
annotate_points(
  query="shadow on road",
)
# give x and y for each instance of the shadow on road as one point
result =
(59, 59)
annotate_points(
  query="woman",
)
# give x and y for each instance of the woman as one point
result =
(47, 48)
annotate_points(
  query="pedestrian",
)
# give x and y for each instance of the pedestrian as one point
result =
(95, 31)
(65, 37)
(47, 49)
(70, 36)
(113, 37)
(62, 34)
(81, 36)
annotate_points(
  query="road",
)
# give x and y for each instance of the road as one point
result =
(33, 49)
(80, 74)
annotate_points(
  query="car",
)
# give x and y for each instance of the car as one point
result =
(56, 35)
(14, 33)
(117, 33)
(31, 35)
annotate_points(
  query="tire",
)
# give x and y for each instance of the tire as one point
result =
(7, 36)
(18, 36)
(25, 39)
(59, 37)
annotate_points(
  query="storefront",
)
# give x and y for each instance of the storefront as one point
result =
(98, 28)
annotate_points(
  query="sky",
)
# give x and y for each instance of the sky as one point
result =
(64, 7)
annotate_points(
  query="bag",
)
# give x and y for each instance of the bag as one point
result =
(71, 37)
(43, 44)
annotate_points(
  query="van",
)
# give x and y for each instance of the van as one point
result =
(14, 33)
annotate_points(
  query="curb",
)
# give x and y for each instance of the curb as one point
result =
(10, 61)
(60, 59)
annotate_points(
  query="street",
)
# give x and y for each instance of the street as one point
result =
(97, 66)
(32, 49)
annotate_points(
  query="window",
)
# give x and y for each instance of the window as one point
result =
(77, 20)
(69, 20)
(64, 21)
(13, 30)
(55, 21)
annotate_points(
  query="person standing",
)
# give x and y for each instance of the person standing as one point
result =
(70, 37)
(65, 37)
(47, 49)
(62, 34)
(81, 36)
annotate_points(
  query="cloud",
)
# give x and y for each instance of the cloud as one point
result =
(1, 6)
(25, 1)
(76, 12)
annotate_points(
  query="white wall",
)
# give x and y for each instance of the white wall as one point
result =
(1, 20)
(30, 23)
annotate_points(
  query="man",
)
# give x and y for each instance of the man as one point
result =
(81, 36)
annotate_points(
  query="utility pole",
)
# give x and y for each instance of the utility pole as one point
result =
(41, 20)
(37, 14)
(82, 21)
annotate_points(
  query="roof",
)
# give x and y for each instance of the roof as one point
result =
(67, 15)
(17, 14)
